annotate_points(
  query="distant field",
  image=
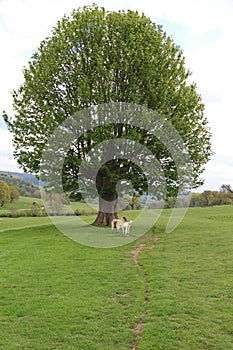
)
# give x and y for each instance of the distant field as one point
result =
(20, 204)
(27, 203)
(58, 294)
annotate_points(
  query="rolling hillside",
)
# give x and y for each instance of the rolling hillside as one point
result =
(27, 184)
(25, 177)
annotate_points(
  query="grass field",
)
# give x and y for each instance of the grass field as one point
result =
(58, 294)
(27, 203)
(21, 204)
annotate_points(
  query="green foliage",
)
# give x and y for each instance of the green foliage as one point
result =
(95, 57)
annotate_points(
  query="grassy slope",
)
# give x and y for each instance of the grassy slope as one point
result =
(57, 294)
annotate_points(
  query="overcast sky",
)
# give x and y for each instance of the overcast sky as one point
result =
(202, 28)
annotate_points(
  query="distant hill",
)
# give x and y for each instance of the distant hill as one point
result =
(27, 184)
(25, 177)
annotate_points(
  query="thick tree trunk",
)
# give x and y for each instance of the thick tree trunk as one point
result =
(104, 219)
(107, 199)
(107, 210)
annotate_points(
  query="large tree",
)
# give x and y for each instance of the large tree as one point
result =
(96, 57)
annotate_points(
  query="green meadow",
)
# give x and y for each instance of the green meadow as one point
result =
(28, 203)
(58, 294)
(21, 204)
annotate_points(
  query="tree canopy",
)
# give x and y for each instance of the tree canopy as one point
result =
(95, 57)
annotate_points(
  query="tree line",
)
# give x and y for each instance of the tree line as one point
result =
(211, 198)
(224, 196)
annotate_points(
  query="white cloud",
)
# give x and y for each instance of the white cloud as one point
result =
(6, 143)
(8, 164)
(199, 16)
(219, 171)
(6, 152)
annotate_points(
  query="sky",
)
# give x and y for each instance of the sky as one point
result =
(202, 28)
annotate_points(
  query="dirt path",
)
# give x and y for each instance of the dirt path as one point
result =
(136, 253)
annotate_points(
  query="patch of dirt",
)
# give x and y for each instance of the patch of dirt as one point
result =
(136, 253)
(138, 250)
(120, 295)
(138, 330)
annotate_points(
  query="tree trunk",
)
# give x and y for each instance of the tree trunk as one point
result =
(107, 199)
(107, 210)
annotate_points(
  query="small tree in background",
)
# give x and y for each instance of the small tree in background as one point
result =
(4, 193)
(135, 202)
(14, 192)
(226, 189)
